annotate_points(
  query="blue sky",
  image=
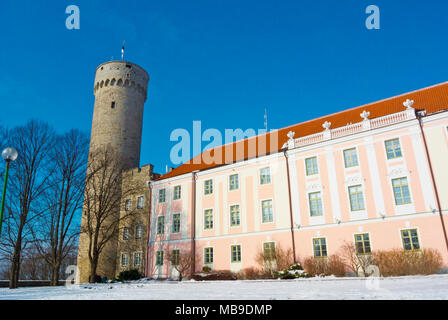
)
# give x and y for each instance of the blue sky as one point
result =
(221, 62)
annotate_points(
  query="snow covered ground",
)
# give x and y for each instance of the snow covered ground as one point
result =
(413, 287)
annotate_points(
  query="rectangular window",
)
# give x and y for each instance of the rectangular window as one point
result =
(208, 219)
(175, 254)
(176, 223)
(137, 258)
(233, 182)
(393, 149)
(127, 205)
(269, 251)
(161, 195)
(208, 186)
(311, 166)
(208, 255)
(139, 232)
(112, 104)
(350, 158)
(356, 198)
(235, 215)
(266, 209)
(140, 203)
(124, 259)
(126, 233)
(177, 192)
(236, 253)
(159, 258)
(265, 176)
(161, 225)
(315, 204)
(362, 243)
(320, 247)
(410, 239)
(401, 191)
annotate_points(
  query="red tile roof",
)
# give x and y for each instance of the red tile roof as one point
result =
(431, 99)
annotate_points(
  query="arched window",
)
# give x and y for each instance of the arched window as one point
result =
(106, 83)
(112, 82)
(120, 82)
(126, 83)
(101, 84)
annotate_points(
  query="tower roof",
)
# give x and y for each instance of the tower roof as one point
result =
(432, 99)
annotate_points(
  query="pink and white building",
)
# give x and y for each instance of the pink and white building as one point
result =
(375, 175)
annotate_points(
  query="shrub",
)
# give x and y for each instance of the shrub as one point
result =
(128, 275)
(397, 262)
(333, 265)
(357, 263)
(206, 269)
(294, 271)
(250, 274)
(336, 266)
(215, 275)
(279, 259)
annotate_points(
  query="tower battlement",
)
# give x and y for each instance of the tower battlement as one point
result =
(120, 74)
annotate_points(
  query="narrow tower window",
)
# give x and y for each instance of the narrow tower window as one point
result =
(113, 104)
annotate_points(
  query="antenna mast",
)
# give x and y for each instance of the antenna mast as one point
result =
(266, 119)
(122, 50)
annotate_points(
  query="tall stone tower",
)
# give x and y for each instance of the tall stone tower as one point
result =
(120, 90)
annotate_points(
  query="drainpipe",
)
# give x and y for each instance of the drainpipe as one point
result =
(290, 206)
(149, 229)
(193, 222)
(420, 115)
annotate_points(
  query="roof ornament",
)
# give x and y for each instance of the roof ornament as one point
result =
(291, 135)
(326, 125)
(408, 104)
(365, 115)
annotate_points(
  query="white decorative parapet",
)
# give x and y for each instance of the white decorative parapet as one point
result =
(365, 124)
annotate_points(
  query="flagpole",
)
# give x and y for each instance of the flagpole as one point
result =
(122, 51)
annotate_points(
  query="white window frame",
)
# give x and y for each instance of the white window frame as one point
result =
(237, 181)
(205, 187)
(261, 210)
(180, 224)
(127, 204)
(260, 175)
(213, 219)
(180, 193)
(357, 158)
(139, 253)
(124, 254)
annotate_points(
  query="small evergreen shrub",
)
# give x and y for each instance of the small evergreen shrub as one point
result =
(129, 275)
(294, 271)
(206, 269)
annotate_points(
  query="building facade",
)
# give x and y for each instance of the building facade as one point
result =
(379, 181)
(374, 175)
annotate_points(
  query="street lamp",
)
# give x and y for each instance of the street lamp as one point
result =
(9, 155)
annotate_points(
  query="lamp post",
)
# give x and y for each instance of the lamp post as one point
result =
(9, 155)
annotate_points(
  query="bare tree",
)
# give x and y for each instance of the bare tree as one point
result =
(182, 261)
(356, 262)
(102, 203)
(57, 230)
(27, 184)
(275, 259)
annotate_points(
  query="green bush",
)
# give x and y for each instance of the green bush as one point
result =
(128, 275)
(294, 271)
(206, 269)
